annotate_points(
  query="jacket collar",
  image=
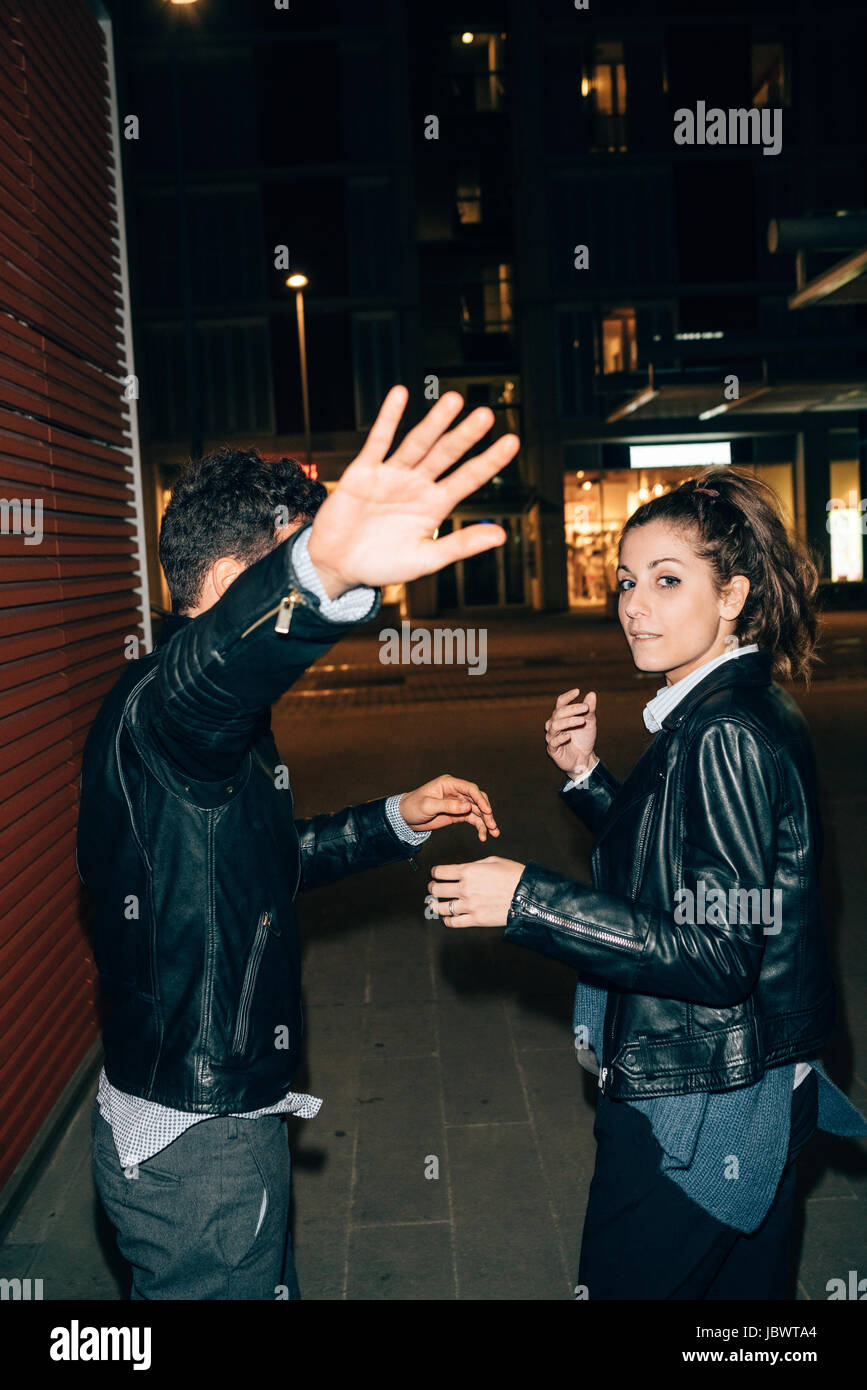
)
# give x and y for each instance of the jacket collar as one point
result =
(172, 623)
(753, 669)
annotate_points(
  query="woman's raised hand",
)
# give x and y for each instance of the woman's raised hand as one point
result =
(570, 733)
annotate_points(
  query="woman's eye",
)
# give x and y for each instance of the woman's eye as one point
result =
(673, 577)
(624, 584)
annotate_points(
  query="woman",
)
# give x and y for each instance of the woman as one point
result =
(705, 990)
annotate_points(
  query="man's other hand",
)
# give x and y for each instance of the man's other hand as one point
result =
(448, 801)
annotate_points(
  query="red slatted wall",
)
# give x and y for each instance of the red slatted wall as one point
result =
(67, 603)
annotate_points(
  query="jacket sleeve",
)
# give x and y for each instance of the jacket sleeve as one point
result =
(726, 839)
(219, 672)
(345, 843)
(591, 801)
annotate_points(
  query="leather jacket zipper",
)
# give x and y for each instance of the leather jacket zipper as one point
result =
(581, 928)
(639, 849)
(239, 1041)
(284, 610)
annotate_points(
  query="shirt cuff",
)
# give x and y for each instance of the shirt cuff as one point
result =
(399, 825)
(349, 607)
(582, 780)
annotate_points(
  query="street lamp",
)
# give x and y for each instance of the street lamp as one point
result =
(297, 283)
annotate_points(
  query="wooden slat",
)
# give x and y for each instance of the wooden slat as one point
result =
(67, 603)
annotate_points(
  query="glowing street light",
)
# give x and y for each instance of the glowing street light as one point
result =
(467, 38)
(297, 282)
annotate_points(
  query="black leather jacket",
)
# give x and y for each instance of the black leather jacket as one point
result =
(724, 799)
(188, 841)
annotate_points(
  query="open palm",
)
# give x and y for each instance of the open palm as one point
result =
(377, 525)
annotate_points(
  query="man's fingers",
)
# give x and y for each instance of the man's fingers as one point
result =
(456, 784)
(454, 445)
(476, 472)
(384, 427)
(423, 436)
(460, 545)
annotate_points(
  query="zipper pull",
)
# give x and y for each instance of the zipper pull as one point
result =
(285, 611)
(602, 1075)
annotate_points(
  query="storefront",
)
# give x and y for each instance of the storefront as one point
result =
(597, 505)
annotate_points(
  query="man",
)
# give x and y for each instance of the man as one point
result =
(188, 841)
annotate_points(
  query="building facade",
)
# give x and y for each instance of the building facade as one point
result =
(493, 199)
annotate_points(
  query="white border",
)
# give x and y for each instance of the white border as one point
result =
(135, 453)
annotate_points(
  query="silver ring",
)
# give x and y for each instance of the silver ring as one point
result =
(452, 902)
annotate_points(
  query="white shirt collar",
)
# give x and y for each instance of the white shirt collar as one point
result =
(665, 700)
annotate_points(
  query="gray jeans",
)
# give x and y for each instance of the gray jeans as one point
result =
(207, 1217)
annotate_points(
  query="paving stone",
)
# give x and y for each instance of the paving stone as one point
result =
(399, 1127)
(506, 1237)
(401, 1262)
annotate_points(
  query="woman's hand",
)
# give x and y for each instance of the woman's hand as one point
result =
(475, 895)
(448, 801)
(570, 733)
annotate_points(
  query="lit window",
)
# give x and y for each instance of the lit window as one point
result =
(844, 522)
(498, 298)
(769, 75)
(477, 70)
(468, 195)
(609, 96)
(619, 344)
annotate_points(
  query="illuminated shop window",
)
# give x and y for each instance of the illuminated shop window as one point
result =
(845, 523)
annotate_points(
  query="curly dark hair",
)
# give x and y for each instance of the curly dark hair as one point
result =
(736, 522)
(228, 503)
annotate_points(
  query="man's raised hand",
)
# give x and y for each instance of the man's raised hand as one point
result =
(377, 525)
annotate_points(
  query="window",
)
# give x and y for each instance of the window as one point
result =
(374, 354)
(226, 241)
(373, 258)
(769, 75)
(475, 77)
(486, 315)
(608, 85)
(486, 306)
(468, 193)
(844, 522)
(619, 345)
(569, 362)
(235, 378)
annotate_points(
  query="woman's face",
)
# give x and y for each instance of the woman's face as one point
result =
(668, 607)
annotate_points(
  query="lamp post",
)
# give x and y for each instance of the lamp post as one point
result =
(297, 283)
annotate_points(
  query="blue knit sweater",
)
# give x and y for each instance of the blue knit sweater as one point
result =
(700, 1135)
